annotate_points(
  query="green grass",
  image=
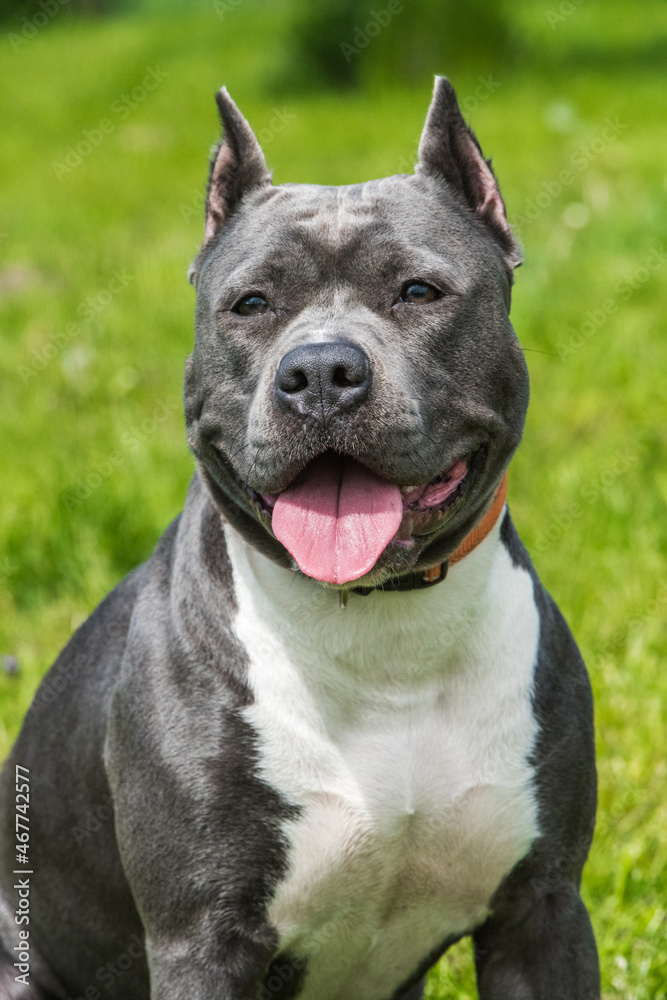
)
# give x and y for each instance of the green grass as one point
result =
(589, 484)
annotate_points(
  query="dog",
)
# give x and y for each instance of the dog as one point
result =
(335, 723)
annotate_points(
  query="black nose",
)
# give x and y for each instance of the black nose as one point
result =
(321, 380)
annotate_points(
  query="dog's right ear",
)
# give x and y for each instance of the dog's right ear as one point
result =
(237, 166)
(449, 149)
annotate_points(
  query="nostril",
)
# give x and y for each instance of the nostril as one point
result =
(345, 378)
(293, 381)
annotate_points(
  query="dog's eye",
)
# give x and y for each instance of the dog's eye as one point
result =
(418, 292)
(251, 305)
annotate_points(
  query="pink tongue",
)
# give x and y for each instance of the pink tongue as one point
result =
(337, 518)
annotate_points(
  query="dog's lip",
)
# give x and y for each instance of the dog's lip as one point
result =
(417, 519)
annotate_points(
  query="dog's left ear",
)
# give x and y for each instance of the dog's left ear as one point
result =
(449, 149)
(237, 166)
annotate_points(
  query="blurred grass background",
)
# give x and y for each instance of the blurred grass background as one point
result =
(96, 321)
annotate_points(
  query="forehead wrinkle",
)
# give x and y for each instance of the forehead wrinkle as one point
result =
(353, 217)
(330, 227)
(328, 234)
(332, 210)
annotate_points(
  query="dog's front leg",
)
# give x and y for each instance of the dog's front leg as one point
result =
(545, 951)
(206, 934)
(199, 895)
(199, 835)
(177, 972)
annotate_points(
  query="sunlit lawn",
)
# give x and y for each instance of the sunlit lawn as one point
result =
(97, 321)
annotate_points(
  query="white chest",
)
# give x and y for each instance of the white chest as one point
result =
(405, 743)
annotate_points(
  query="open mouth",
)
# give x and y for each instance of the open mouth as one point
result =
(337, 516)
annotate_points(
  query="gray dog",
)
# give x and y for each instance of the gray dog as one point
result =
(335, 723)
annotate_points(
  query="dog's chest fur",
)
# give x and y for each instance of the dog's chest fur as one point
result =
(402, 728)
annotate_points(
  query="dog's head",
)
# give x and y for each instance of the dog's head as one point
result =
(356, 389)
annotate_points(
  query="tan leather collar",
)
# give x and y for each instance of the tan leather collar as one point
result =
(479, 533)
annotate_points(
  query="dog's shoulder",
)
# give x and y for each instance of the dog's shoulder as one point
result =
(91, 658)
(564, 754)
(561, 689)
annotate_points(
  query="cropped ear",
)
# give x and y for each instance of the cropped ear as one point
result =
(237, 166)
(449, 149)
